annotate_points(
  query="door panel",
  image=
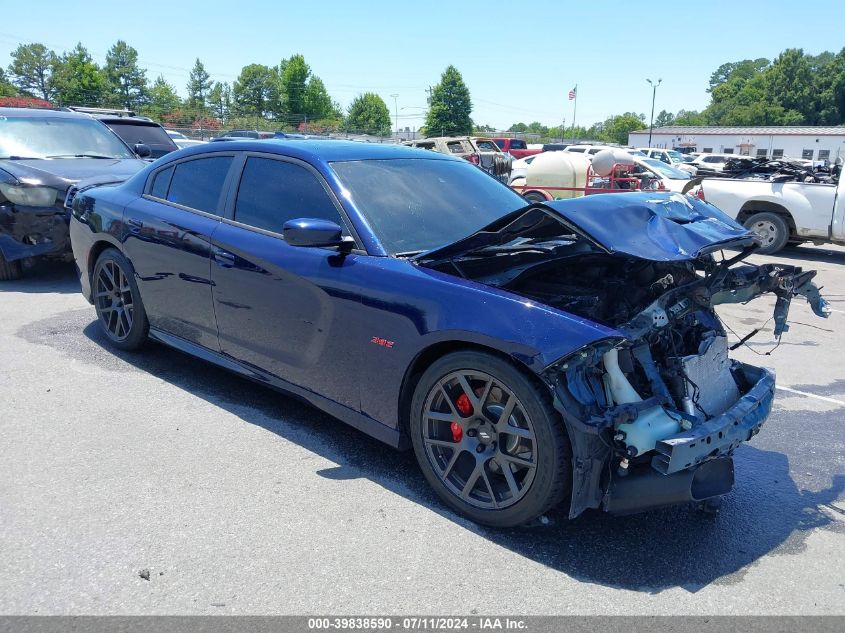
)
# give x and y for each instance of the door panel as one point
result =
(170, 250)
(288, 310)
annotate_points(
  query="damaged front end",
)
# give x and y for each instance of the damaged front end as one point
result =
(655, 413)
(33, 221)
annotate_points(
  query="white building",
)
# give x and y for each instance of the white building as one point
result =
(813, 143)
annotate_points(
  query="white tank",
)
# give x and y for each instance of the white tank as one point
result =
(559, 169)
(604, 160)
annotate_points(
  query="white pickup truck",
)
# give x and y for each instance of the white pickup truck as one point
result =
(781, 212)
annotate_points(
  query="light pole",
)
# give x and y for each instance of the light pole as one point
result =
(396, 113)
(653, 96)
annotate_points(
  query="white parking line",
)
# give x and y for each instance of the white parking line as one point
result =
(839, 311)
(812, 395)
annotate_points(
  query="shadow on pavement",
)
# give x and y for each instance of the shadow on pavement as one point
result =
(44, 277)
(677, 547)
(810, 254)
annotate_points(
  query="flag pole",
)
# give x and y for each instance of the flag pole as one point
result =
(574, 110)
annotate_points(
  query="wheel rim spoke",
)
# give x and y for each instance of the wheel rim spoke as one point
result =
(519, 461)
(509, 478)
(452, 461)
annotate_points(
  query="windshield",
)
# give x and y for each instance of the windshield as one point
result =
(417, 204)
(676, 157)
(59, 137)
(665, 170)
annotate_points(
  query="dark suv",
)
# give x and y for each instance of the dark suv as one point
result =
(135, 130)
(46, 156)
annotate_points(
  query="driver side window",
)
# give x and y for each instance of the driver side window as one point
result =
(271, 192)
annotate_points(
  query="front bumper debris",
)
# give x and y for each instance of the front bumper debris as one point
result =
(722, 434)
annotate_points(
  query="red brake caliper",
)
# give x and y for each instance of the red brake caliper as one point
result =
(464, 407)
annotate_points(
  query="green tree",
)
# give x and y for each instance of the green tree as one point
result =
(127, 82)
(615, 129)
(789, 82)
(536, 127)
(317, 103)
(199, 85)
(518, 127)
(31, 70)
(77, 80)
(664, 118)
(6, 88)
(368, 114)
(450, 106)
(689, 118)
(737, 71)
(254, 90)
(162, 99)
(293, 78)
(220, 101)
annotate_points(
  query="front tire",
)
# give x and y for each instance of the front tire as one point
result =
(488, 440)
(772, 230)
(117, 301)
(9, 271)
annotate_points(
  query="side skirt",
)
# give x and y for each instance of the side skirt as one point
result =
(355, 419)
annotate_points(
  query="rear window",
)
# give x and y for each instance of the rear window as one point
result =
(197, 183)
(456, 147)
(487, 146)
(580, 150)
(515, 144)
(151, 135)
(500, 143)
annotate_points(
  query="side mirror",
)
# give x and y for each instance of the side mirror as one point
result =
(313, 232)
(143, 150)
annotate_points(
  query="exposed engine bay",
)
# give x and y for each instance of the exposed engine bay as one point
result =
(663, 398)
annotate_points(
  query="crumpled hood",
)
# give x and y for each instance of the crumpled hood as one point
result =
(60, 173)
(652, 226)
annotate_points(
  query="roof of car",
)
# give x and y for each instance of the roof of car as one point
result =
(319, 150)
(41, 113)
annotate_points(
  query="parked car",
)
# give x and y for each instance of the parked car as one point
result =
(134, 130)
(515, 147)
(183, 141)
(44, 154)
(520, 167)
(711, 162)
(670, 157)
(780, 213)
(657, 174)
(587, 150)
(555, 147)
(482, 152)
(528, 354)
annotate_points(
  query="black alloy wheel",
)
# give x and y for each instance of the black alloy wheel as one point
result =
(488, 440)
(117, 301)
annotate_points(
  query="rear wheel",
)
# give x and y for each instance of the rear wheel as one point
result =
(118, 302)
(488, 440)
(9, 271)
(772, 230)
(535, 196)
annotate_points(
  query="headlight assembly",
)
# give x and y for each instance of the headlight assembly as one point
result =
(29, 196)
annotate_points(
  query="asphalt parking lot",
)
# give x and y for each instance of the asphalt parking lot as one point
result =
(238, 500)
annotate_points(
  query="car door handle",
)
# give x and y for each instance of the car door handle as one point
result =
(135, 225)
(224, 258)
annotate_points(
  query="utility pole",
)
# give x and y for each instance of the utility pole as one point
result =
(396, 113)
(653, 96)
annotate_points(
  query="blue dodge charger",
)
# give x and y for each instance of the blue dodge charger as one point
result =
(530, 354)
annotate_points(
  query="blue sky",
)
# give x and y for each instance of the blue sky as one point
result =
(519, 59)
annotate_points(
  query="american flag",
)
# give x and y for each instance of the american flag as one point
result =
(573, 93)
